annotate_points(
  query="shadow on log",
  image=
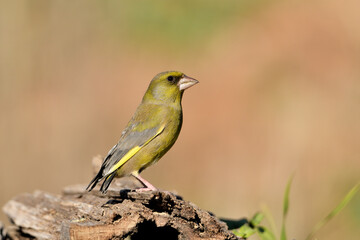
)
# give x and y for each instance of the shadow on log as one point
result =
(128, 214)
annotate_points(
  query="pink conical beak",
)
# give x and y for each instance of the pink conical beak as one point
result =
(185, 82)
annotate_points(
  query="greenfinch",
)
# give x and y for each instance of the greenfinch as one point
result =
(150, 133)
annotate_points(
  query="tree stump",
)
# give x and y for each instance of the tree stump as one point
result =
(125, 214)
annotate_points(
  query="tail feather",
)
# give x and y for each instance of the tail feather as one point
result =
(107, 181)
(95, 181)
(98, 178)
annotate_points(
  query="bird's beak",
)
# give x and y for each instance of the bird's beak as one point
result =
(185, 82)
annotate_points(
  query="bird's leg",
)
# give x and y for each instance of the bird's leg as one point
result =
(147, 186)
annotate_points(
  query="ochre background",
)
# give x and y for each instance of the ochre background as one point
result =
(279, 94)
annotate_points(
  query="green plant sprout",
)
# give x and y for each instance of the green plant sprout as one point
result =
(253, 226)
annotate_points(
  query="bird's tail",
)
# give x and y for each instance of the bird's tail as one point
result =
(98, 178)
(95, 180)
(107, 181)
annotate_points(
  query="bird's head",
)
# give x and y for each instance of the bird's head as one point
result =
(168, 86)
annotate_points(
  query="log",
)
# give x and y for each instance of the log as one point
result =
(124, 214)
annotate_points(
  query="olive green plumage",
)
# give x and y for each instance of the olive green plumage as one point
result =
(150, 133)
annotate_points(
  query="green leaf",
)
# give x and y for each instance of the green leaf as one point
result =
(269, 218)
(265, 234)
(244, 231)
(253, 227)
(336, 210)
(256, 219)
(286, 208)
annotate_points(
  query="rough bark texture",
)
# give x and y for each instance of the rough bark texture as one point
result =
(127, 214)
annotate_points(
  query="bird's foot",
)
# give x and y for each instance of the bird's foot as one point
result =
(147, 186)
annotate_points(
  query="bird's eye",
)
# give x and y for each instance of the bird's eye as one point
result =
(170, 78)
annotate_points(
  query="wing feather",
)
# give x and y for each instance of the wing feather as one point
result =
(122, 152)
(144, 126)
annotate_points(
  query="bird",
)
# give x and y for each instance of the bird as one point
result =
(150, 133)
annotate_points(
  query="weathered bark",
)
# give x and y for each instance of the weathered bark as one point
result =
(127, 214)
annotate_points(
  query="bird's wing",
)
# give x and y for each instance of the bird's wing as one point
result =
(130, 143)
(145, 125)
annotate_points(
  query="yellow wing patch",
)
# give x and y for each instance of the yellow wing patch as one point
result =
(132, 152)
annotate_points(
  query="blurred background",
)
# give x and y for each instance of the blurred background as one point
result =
(279, 94)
